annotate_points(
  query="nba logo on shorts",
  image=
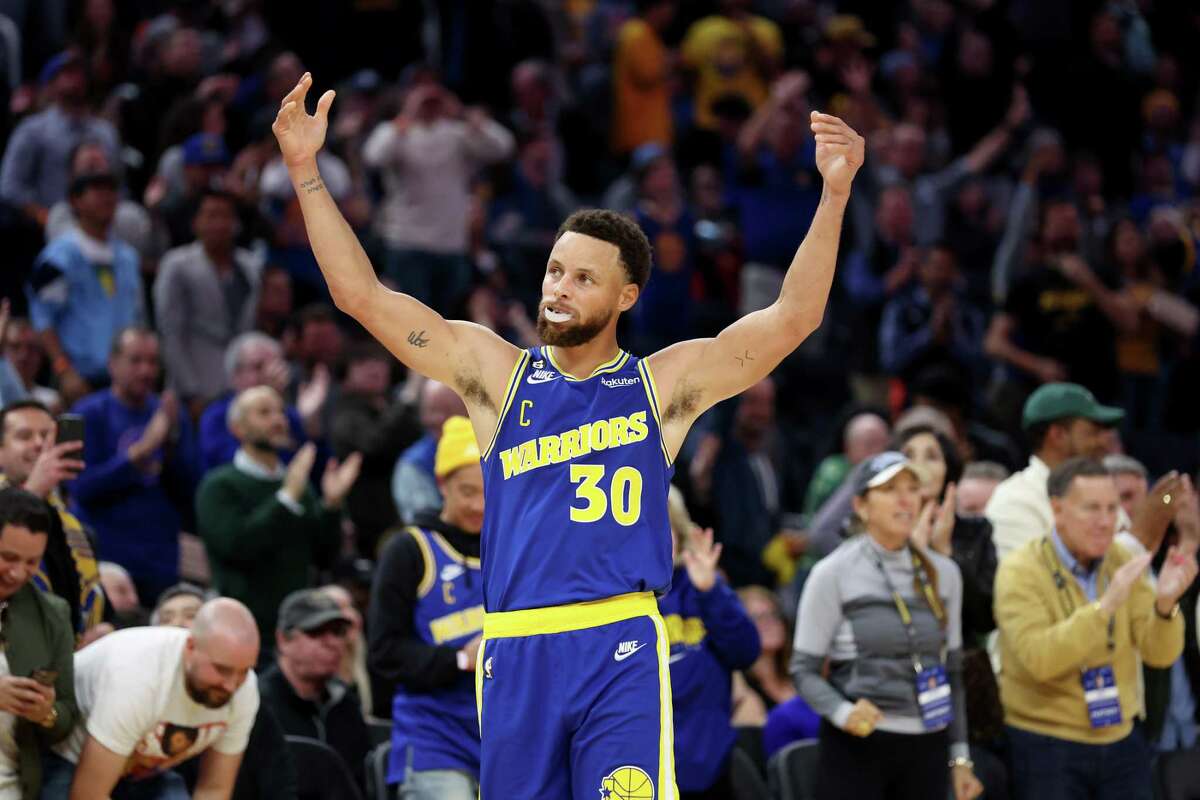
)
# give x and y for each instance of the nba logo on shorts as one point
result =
(627, 783)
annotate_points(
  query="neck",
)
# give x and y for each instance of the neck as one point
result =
(220, 256)
(265, 458)
(1086, 562)
(127, 399)
(94, 229)
(581, 361)
(305, 688)
(888, 541)
(1052, 458)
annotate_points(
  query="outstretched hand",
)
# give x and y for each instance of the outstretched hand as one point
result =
(301, 134)
(840, 151)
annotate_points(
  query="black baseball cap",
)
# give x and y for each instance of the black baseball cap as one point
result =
(307, 610)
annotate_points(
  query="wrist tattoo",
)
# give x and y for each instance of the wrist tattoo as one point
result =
(417, 339)
(312, 185)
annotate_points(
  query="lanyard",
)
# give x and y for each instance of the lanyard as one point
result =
(1064, 594)
(931, 598)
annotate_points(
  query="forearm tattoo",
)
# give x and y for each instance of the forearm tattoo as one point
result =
(417, 339)
(312, 185)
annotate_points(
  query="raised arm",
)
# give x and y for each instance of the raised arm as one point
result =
(697, 374)
(468, 357)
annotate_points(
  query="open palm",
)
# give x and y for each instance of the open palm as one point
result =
(840, 151)
(301, 134)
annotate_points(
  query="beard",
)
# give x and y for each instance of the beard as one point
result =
(566, 334)
(210, 697)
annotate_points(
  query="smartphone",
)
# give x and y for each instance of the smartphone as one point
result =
(46, 677)
(70, 428)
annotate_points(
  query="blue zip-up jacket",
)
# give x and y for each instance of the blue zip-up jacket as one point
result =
(711, 637)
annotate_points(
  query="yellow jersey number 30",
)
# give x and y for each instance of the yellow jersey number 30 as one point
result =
(624, 495)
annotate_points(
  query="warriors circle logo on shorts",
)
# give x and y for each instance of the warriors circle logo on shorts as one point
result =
(627, 783)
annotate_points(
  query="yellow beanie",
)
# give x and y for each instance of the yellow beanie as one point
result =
(457, 447)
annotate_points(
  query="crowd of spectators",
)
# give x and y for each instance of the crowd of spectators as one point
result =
(1018, 287)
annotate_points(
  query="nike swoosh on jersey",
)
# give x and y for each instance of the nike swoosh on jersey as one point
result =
(535, 379)
(628, 653)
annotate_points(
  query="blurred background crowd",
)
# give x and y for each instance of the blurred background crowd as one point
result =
(1027, 215)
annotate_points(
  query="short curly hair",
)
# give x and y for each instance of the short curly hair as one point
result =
(616, 229)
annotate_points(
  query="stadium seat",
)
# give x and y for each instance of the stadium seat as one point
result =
(748, 783)
(1178, 775)
(376, 772)
(792, 771)
(320, 772)
(379, 732)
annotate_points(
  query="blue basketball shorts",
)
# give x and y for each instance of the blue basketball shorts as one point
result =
(575, 702)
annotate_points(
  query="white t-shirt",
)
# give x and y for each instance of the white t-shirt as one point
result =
(132, 699)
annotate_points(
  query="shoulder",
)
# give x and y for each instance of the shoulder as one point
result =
(94, 404)
(178, 260)
(1021, 561)
(222, 476)
(62, 251)
(51, 607)
(949, 574)
(836, 563)
(249, 263)
(246, 698)
(125, 255)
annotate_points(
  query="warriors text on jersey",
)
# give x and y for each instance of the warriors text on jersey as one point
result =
(576, 486)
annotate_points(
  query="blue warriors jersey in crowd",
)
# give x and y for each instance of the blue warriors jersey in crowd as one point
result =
(575, 487)
(441, 727)
(711, 637)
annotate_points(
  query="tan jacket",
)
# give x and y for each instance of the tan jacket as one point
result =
(1043, 649)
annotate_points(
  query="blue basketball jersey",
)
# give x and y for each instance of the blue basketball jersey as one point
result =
(441, 726)
(575, 487)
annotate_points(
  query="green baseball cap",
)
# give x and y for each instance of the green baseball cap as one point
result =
(1063, 400)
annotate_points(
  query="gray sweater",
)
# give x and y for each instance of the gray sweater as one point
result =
(847, 615)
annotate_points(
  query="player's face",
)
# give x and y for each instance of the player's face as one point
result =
(462, 491)
(584, 288)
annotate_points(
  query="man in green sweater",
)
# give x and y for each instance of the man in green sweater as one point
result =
(262, 524)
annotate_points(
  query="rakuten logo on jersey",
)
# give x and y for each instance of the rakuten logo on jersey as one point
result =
(616, 383)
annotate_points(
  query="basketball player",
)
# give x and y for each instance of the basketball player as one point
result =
(577, 440)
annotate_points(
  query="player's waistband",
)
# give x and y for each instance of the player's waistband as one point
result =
(570, 617)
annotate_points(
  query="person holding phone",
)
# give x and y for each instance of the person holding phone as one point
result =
(38, 454)
(37, 691)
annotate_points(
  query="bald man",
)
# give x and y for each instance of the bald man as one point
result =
(151, 698)
(263, 526)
